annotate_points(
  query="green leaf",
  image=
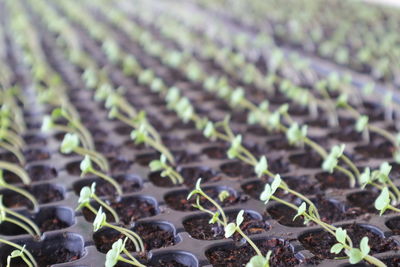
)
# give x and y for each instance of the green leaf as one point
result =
(239, 218)
(113, 254)
(276, 183)
(214, 218)
(266, 194)
(85, 195)
(361, 123)
(230, 229)
(342, 100)
(86, 165)
(365, 177)
(99, 220)
(235, 145)
(258, 261)
(274, 120)
(261, 166)
(300, 210)
(69, 143)
(237, 96)
(156, 165)
(355, 255)
(295, 134)
(337, 248)
(340, 235)
(209, 130)
(384, 171)
(383, 200)
(365, 249)
(223, 195)
(47, 124)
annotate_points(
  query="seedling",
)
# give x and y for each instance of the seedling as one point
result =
(71, 143)
(74, 123)
(12, 144)
(296, 134)
(100, 222)
(19, 252)
(355, 254)
(18, 190)
(87, 193)
(114, 255)
(260, 261)
(87, 167)
(142, 135)
(21, 221)
(232, 227)
(166, 170)
(383, 202)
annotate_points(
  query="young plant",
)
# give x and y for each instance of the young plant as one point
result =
(232, 227)
(87, 167)
(309, 215)
(71, 144)
(114, 255)
(355, 254)
(19, 252)
(166, 170)
(18, 190)
(19, 220)
(100, 222)
(87, 193)
(198, 192)
(141, 135)
(383, 202)
(260, 261)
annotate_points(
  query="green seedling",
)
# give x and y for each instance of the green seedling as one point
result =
(166, 170)
(114, 255)
(87, 194)
(100, 222)
(19, 252)
(71, 144)
(86, 167)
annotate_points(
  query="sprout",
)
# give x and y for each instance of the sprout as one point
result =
(69, 143)
(224, 194)
(261, 166)
(234, 150)
(295, 134)
(166, 170)
(88, 193)
(331, 160)
(361, 123)
(86, 166)
(269, 190)
(237, 96)
(382, 203)
(19, 252)
(355, 255)
(100, 222)
(300, 211)
(114, 255)
(209, 130)
(260, 261)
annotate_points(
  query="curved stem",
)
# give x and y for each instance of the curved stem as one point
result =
(21, 225)
(25, 220)
(351, 165)
(134, 263)
(347, 173)
(135, 238)
(251, 243)
(14, 151)
(108, 207)
(22, 192)
(100, 160)
(374, 261)
(26, 260)
(66, 129)
(17, 170)
(11, 244)
(221, 211)
(108, 179)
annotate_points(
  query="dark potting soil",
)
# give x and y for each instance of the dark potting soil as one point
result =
(282, 254)
(200, 228)
(178, 200)
(153, 237)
